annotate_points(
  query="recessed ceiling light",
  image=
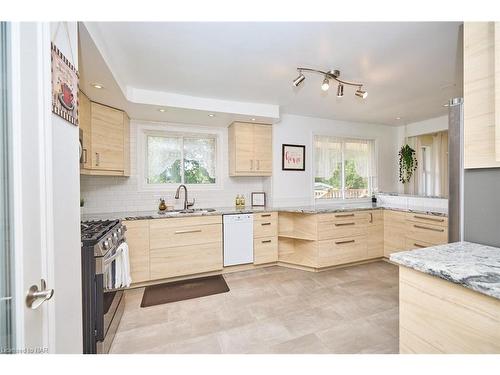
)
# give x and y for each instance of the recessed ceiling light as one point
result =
(398, 118)
(162, 110)
(211, 115)
(97, 85)
(253, 119)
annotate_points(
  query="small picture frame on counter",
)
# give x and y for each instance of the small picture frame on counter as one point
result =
(258, 199)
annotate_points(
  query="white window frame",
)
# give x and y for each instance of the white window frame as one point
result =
(372, 185)
(176, 130)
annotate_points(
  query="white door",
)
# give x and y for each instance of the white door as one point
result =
(44, 196)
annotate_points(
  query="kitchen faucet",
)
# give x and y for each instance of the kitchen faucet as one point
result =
(186, 203)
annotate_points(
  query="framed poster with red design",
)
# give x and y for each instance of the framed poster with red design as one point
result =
(64, 87)
(293, 158)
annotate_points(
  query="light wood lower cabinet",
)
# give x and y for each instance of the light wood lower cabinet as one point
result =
(394, 231)
(342, 250)
(137, 236)
(265, 233)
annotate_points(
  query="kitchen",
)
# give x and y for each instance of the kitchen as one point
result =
(258, 201)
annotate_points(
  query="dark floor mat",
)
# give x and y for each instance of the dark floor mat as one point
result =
(185, 289)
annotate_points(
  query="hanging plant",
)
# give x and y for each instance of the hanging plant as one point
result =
(407, 163)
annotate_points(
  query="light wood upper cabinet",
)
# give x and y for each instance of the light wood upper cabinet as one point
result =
(250, 149)
(106, 140)
(481, 95)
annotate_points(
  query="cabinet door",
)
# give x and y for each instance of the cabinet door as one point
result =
(263, 149)
(107, 138)
(342, 251)
(375, 234)
(85, 126)
(138, 243)
(244, 148)
(394, 232)
(265, 250)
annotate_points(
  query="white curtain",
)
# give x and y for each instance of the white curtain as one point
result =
(328, 155)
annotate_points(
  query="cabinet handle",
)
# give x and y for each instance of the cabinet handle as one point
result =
(251, 165)
(427, 228)
(265, 215)
(265, 224)
(343, 224)
(84, 155)
(418, 245)
(187, 231)
(428, 218)
(97, 159)
(344, 215)
(371, 217)
(267, 241)
(344, 242)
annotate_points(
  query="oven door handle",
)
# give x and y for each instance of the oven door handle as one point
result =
(99, 306)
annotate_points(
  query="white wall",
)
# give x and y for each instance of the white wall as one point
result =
(66, 268)
(118, 194)
(296, 187)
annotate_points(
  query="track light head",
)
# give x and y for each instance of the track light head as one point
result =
(361, 93)
(297, 81)
(340, 90)
(325, 85)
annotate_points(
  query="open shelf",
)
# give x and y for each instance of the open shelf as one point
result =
(297, 236)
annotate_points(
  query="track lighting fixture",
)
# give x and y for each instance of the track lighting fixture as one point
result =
(325, 85)
(331, 74)
(361, 93)
(340, 90)
(297, 81)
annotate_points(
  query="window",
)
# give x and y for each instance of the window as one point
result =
(181, 159)
(344, 168)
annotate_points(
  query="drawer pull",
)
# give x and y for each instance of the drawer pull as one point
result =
(343, 224)
(265, 224)
(267, 241)
(344, 242)
(371, 217)
(344, 215)
(418, 245)
(187, 231)
(429, 218)
(427, 228)
(265, 215)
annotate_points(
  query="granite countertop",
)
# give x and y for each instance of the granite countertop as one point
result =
(319, 209)
(471, 265)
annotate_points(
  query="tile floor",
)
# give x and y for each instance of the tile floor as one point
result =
(273, 310)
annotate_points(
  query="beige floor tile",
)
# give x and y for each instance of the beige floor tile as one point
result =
(308, 344)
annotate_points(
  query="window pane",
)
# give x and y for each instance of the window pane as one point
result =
(356, 169)
(164, 160)
(328, 171)
(199, 160)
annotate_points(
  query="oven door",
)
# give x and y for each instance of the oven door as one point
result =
(109, 303)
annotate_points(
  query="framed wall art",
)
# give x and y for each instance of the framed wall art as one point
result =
(258, 199)
(293, 158)
(64, 87)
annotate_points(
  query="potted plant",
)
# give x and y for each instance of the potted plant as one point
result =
(407, 163)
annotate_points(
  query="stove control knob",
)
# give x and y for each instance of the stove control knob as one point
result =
(105, 245)
(119, 230)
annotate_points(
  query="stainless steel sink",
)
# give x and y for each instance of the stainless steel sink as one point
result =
(187, 211)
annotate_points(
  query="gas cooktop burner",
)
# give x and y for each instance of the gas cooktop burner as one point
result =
(96, 230)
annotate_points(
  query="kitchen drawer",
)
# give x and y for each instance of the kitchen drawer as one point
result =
(174, 222)
(340, 251)
(265, 216)
(265, 250)
(347, 227)
(265, 227)
(162, 236)
(185, 260)
(412, 243)
(429, 233)
(343, 216)
(427, 219)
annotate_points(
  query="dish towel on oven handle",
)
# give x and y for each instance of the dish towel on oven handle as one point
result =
(122, 264)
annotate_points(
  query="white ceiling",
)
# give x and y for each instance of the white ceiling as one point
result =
(409, 69)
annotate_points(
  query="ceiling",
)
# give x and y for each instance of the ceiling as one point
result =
(409, 69)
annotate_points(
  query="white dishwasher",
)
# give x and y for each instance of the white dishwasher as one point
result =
(238, 239)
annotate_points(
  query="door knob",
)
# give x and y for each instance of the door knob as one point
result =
(36, 297)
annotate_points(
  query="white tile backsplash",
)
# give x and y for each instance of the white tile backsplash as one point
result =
(116, 194)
